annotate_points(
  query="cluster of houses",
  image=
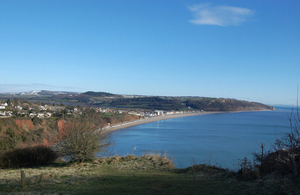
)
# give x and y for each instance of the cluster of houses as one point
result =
(144, 114)
(47, 111)
(9, 110)
(4, 111)
(148, 114)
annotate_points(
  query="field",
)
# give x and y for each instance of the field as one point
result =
(149, 174)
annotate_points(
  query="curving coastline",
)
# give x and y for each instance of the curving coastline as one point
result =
(157, 118)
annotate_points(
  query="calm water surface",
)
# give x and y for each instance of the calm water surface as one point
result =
(219, 139)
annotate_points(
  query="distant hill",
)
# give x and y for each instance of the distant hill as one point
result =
(99, 94)
(227, 105)
(104, 99)
(183, 103)
(44, 92)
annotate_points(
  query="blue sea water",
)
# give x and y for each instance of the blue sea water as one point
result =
(219, 139)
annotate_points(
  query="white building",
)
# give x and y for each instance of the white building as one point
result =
(159, 112)
(4, 104)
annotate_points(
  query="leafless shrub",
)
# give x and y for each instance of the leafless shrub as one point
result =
(83, 137)
(247, 171)
(285, 160)
(288, 147)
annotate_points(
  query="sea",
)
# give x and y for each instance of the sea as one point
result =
(222, 139)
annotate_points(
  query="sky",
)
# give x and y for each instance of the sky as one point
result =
(242, 49)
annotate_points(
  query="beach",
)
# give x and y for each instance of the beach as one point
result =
(152, 119)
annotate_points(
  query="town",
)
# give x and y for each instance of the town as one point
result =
(24, 108)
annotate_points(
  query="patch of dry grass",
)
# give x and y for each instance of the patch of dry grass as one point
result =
(40, 179)
(148, 174)
(145, 162)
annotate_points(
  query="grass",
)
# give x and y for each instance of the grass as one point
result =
(148, 174)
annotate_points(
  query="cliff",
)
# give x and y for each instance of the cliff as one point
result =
(16, 133)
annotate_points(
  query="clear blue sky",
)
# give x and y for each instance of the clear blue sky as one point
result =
(241, 49)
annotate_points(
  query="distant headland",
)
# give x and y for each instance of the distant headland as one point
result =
(141, 102)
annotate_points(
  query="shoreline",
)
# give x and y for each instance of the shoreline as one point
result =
(157, 118)
(164, 117)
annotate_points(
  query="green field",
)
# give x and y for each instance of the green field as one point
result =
(150, 174)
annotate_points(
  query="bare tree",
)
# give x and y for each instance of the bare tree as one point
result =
(286, 156)
(290, 144)
(83, 137)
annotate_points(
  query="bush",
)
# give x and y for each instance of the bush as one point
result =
(285, 158)
(24, 138)
(36, 121)
(2, 145)
(28, 157)
(83, 137)
(281, 162)
(39, 132)
(288, 146)
(247, 171)
(10, 132)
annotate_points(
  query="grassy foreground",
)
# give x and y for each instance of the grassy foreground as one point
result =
(149, 174)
